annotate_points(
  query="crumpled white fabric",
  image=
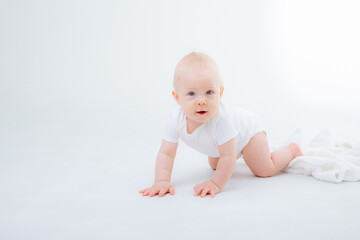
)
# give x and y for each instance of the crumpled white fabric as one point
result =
(324, 158)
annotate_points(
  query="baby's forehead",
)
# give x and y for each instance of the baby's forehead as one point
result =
(198, 81)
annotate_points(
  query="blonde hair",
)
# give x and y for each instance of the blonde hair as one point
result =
(196, 60)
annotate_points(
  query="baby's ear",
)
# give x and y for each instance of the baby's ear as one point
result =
(221, 91)
(176, 96)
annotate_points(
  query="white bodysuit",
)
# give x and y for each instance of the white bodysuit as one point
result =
(228, 123)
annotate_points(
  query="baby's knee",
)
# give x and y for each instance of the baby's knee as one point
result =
(264, 173)
(213, 162)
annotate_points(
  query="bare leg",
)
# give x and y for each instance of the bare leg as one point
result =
(263, 163)
(283, 157)
(213, 161)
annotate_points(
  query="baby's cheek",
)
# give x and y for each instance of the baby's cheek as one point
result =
(215, 105)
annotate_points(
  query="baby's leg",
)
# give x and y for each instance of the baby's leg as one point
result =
(213, 161)
(263, 163)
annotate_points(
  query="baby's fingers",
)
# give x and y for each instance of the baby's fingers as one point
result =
(172, 190)
(165, 190)
(147, 191)
(198, 190)
(162, 192)
(143, 190)
(154, 192)
(204, 192)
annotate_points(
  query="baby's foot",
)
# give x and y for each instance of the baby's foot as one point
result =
(295, 149)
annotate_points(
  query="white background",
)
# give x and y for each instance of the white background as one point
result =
(85, 90)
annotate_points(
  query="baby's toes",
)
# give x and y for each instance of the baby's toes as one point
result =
(296, 150)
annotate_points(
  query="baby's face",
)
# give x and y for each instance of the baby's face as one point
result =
(199, 93)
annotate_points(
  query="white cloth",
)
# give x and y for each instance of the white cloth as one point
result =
(324, 158)
(229, 122)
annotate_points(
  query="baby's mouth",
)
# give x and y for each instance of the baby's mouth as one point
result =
(201, 112)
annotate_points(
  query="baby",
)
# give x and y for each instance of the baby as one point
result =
(223, 133)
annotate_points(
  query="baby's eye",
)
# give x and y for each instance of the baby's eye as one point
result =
(209, 92)
(191, 93)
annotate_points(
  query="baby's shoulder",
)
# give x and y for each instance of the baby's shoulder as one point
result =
(235, 111)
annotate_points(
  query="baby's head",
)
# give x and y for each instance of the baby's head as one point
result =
(198, 87)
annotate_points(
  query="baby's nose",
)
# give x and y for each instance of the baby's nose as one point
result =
(201, 102)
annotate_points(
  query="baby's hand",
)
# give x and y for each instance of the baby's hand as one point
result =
(160, 187)
(206, 187)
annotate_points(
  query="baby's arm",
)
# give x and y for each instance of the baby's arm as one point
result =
(223, 171)
(163, 169)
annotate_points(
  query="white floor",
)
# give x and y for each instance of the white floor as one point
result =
(59, 184)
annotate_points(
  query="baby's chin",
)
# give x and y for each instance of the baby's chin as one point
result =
(202, 117)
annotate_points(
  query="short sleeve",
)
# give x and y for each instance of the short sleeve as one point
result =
(224, 130)
(171, 133)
